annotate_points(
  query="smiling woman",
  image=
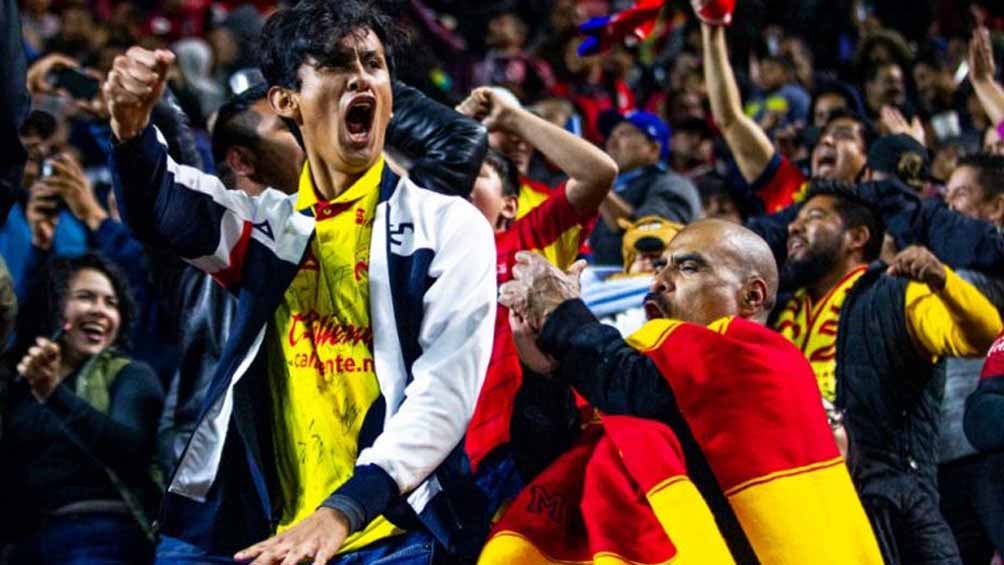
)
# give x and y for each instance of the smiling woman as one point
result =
(81, 422)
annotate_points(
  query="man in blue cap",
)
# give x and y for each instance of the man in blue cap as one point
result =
(639, 143)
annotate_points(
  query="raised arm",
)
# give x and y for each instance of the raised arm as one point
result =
(176, 207)
(981, 68)
(749, 144)
(946, 314)
(590, 171)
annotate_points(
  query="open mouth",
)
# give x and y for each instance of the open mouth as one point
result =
(359, 118)
(825, 163)
(653, 311)
(93, 332)
(795, 245)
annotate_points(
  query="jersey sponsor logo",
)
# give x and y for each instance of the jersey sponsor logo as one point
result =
(326, 330)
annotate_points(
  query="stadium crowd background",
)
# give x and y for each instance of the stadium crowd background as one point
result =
(905, 67)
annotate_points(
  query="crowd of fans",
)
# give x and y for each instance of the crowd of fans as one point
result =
(244, 302)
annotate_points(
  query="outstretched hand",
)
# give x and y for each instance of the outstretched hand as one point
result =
(134, 85)
(315, 539)
(894, 122)
(981, 56)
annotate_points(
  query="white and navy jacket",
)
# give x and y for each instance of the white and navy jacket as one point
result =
(432, 305)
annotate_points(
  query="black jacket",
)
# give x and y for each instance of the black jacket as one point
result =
(984, 414)
(445, 148)
(888, 388)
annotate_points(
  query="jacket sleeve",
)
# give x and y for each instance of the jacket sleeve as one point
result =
(959, 241)
(183, 210)
(445, 147)
(958, 321)
(15, 107)
(455, 338)
(984, 418)
(603, 368)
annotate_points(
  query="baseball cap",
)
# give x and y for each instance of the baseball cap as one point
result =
(902, 156)
(646, 122)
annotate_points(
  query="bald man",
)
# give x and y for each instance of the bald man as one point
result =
(741, 400)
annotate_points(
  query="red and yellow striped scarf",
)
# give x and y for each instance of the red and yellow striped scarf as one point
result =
(622, 494)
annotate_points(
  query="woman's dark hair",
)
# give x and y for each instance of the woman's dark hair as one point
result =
(506, 171)
(62, 271)
(314, 28)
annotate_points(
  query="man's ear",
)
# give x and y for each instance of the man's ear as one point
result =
(753, 300)
(241, 161)
(510, 204)
(857, 238)
(285, 102)
(996, 215)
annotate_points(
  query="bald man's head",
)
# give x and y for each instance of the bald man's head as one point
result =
(715, 269)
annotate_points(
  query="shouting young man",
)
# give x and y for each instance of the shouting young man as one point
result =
(364, 324)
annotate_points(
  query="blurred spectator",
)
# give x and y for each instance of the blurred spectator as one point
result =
(508, 65)
(781, 101)
(82, 405)
(885, 85)
(195, 64)
(833, 96)
(691, 148)
(834, 239)
(976, 188)
(639, 143)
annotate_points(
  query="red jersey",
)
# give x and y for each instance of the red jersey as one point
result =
(542, 230)
(780, 185)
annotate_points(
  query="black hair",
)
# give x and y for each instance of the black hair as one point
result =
(506, 171)
(314, 28)
(176, 128)
(854, 211)
(872, 70)
(784, 61)
(989, 172)
(63, 270)
(868, 133)
(235, 125)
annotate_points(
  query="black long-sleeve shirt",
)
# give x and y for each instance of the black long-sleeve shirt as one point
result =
(45, 470)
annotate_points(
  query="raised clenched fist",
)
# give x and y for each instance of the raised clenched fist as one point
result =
(135, 83)
(918, 263)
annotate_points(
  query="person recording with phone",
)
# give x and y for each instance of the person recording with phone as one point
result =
(80, 420)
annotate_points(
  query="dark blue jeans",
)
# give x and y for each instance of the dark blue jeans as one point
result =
(86, 539)
(412, 548)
